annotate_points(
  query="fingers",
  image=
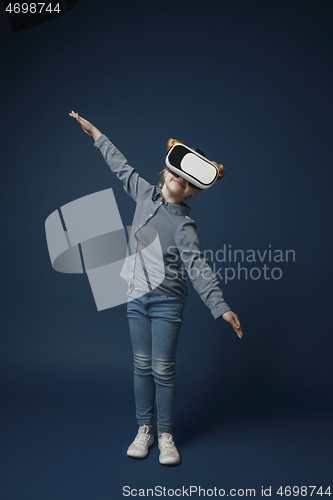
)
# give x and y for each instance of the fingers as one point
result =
(238, 331)
(236, 325)
(76, 116)
(235, 320)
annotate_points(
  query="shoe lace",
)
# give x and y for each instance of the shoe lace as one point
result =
(166, 443)
(142, 435)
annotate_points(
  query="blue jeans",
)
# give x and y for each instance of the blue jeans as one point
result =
(154, 322)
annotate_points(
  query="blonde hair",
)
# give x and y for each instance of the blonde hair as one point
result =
(171, 142)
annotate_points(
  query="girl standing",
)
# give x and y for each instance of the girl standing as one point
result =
(156, 315)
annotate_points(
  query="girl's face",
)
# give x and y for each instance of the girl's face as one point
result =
(177, 186)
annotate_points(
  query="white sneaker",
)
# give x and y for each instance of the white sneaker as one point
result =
(140, 445)
(168, 452)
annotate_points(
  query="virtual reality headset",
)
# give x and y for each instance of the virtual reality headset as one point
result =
(192, 165)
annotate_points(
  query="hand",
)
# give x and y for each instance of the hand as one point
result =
(233, 319)
(87, 127)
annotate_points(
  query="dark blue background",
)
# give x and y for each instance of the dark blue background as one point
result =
(249, 83)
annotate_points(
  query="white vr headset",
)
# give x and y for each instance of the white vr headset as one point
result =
(192, 165)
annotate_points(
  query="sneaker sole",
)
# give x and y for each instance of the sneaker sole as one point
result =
(169, 461)
(143, 455)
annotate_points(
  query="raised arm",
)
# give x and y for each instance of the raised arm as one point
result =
(87, 127)
(133, 184)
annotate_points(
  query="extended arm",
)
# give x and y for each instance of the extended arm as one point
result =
(133, 184)
(204, 280)
(87, 127)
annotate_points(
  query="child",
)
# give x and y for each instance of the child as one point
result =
(155, 315)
